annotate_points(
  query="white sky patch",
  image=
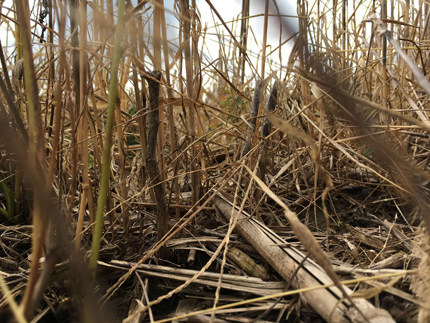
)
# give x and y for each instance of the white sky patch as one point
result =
(6, 25)
(231, 10)
(228, 9)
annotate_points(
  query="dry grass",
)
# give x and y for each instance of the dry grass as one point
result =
(349, 159)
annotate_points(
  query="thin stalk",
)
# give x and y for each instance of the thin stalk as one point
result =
(183, 4)
(120, 106)
(73, 111)
(266, 24)
(83, 90)
(51, 73)
(18, 43)
(153, 79)
(104, 185)
(197, 83)
(244, 38)
(36, 153)
(82, 204)
(344, 35)
(173, 142)
(157, 64)
(384, 57)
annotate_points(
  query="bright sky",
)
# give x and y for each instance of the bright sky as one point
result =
(229, 10)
